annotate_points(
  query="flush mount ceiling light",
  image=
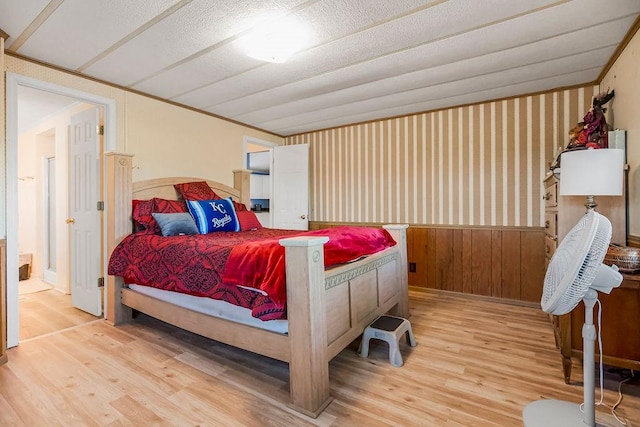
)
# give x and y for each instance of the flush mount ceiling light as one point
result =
(275, 41)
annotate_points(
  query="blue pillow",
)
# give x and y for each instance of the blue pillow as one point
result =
(214, 215)
(176, 224)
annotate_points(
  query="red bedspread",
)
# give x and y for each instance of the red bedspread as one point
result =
(260, 264)
(212, 265)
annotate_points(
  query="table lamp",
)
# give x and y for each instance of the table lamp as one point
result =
(592, 172)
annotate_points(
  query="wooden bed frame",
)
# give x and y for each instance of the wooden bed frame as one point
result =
(327, 310)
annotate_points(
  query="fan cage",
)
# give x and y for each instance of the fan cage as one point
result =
(575, 264)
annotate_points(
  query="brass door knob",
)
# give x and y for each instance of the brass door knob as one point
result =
(71, 221)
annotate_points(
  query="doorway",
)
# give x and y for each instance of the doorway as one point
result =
(37, 243)
(14, 83)
(257, 158)
(33, 230)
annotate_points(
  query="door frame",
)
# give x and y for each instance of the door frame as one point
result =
(254, 141)
(268, 146)
(14, 80)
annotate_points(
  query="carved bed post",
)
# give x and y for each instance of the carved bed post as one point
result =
(118, 219)
(241, 182)
(399, 234)
(309, 365)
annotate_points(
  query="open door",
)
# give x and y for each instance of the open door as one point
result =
(290, 191)
(84, 215)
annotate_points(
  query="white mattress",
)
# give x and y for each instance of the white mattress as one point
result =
(214, 308)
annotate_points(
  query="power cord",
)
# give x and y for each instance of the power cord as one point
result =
(613, 408)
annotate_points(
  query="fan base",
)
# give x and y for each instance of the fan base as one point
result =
(552, 413)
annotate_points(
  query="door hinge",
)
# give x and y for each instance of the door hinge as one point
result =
(100, 129)
(100, 205)
(100, 282)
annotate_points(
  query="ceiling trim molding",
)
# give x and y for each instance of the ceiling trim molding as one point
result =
(488, 101)
(135, 33)
(3, 35)
(621, 47)
(35, 24)
(137, 92)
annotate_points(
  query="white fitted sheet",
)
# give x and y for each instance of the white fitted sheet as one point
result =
(213, 307)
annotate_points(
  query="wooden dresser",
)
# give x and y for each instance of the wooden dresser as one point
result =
(620, 309)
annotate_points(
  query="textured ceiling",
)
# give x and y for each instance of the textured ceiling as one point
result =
(365, 59)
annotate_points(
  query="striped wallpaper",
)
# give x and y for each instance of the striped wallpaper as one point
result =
(478, 165)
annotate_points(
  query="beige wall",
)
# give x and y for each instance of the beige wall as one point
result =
(168, 140)
(165, 139)
(624, 113)
(475, 165)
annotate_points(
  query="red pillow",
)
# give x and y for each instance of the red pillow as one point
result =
(169, 206)
(200, 190)
(142, 218)
(134, 203)
(248, 220)
(196, 190)
(239, 207)
(143, 209)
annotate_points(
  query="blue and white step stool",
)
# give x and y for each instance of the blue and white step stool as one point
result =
(389, 329)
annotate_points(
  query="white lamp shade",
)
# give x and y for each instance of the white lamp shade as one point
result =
(594, 172)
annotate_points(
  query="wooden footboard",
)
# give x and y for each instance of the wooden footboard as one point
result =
(327, 310)
(357, 294)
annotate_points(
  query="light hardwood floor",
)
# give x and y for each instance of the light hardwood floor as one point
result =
(477, 363)
(47, 312)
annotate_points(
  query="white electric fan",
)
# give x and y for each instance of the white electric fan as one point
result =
(575, 273)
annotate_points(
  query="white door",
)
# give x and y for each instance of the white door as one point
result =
(290, 191)
(84, 217)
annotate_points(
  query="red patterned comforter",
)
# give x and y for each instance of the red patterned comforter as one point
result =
(223, 265)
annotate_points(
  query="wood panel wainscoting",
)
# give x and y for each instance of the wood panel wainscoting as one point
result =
(499, 262)
(633, 241)
(620, 327)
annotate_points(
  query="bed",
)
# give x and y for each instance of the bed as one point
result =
(323, 316)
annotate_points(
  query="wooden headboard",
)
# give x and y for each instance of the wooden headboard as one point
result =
(163, 188)
(121, 190)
